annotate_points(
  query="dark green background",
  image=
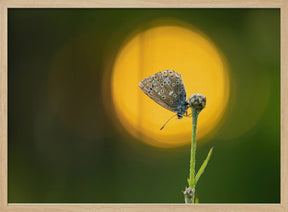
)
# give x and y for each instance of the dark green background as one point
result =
(64, 147)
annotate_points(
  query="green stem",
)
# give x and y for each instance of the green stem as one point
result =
(192, 182)
(188, 200)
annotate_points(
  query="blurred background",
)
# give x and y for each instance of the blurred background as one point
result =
(67, 142)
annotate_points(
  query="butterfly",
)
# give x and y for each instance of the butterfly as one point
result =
(167, 89)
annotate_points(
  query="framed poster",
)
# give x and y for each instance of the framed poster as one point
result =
(79, 133)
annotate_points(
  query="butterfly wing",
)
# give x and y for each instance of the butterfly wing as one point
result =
(166, 89)
(176, 90)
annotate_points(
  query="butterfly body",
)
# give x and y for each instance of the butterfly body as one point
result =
(167, 89)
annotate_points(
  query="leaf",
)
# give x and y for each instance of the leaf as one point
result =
(196, 200)
(203, 166)
(188, 180)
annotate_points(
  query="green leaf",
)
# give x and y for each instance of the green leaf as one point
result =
(188, 180)
(203, 166)
(196, 200)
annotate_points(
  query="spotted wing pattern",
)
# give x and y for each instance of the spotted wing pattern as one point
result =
(166, 89)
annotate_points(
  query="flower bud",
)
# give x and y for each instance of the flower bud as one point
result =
(188, 192)
(197, 102)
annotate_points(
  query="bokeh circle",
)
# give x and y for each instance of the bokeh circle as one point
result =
(188, 52)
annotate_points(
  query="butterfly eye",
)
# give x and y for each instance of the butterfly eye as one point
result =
(177, 82)
(173, 84)
(163, 97)
(174, 95)
(171, 102)
(162, 91)
(162, 84)
(156, 77)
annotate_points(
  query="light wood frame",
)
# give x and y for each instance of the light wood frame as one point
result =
(5, 4)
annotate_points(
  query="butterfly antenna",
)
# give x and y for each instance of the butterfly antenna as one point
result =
(167, 121)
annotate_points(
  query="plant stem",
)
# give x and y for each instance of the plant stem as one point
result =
(192, 182)
(197, 102)
(188, 200)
